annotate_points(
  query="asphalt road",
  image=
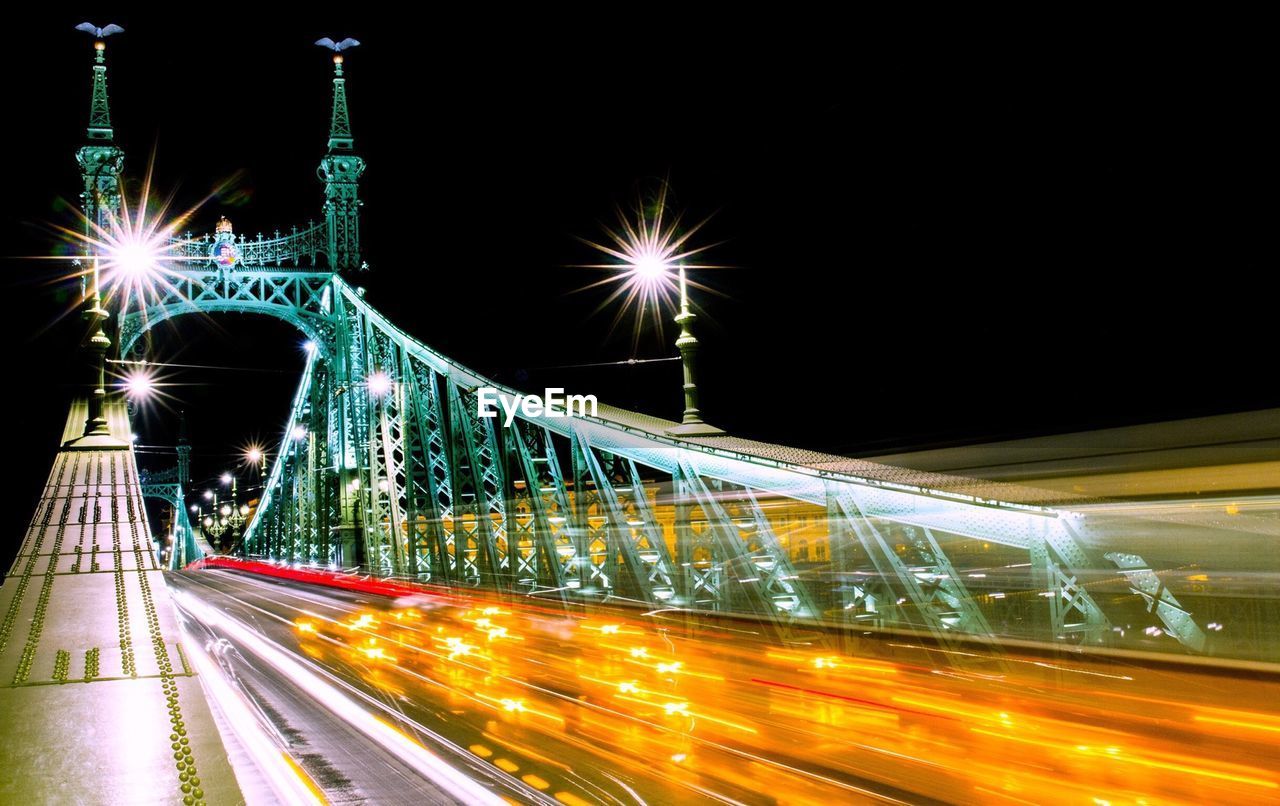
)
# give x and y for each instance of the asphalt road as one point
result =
(518, 699)
(348, 768)
(335, 754)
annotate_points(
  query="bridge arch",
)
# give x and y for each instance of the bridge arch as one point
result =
(301, 299)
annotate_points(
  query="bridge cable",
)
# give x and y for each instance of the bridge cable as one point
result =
(627, 362)
(199, 366)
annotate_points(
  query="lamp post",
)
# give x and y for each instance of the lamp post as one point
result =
(257, 458)
(215, 523)
(226, 515)
(691, 424)
(98, 344)
(97, 432)
(236, 517)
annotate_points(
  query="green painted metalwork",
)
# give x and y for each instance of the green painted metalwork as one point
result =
(340, 138)
(100, 106)
(186, 547)
(408, 480)
(101, 161)
(341, 170)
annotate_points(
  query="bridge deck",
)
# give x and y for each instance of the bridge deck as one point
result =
(93, 679)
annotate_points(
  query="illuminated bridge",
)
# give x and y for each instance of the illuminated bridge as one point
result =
(615, 607)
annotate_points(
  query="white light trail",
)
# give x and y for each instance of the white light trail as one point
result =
(275, 766)
(393, 741)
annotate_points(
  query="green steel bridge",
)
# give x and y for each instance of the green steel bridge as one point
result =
(388, 466)
(404, 478)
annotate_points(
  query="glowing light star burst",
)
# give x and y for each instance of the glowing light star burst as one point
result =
(138, 384)
(142, 383)
(379, 384)
(648, 248)
(136, 251)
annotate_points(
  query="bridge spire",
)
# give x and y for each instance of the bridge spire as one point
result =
(100, 106)
(341, 169)
(340, 138)
(101, 161)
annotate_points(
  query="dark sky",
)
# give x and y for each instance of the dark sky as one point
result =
(936, 236)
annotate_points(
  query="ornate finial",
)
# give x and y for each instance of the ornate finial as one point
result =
(99, 110)
(224, 225)
(340, 127)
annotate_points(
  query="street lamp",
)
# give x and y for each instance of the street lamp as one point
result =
(235, 512)
(215, 523)
(138, 384)
(257, 457)
(691, 423)
(644, 252)
(97, 433)
(649, 268)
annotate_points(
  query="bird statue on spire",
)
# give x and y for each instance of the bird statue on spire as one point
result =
(100, 33)
(337, 47)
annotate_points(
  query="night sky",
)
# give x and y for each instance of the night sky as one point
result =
(932, 240)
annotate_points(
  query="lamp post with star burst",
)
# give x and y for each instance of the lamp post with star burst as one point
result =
(648, 249)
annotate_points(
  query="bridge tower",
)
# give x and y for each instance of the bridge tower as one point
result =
(341, 169)
(101, 162)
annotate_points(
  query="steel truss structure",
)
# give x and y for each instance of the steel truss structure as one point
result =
(407, 479)
(414, 483)
(184, 545)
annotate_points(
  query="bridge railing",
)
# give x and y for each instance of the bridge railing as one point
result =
(296, 248)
